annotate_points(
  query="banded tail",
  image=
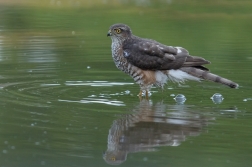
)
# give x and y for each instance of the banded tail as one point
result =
(205, 74)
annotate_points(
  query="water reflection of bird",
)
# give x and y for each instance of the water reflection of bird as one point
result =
(149, 62)
(150, 126)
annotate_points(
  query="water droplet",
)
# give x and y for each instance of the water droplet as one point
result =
(6, 142)
(172, 95)
(37, 143)
(127, 92)
(145, 159)
(5, 151)
(13, 147)
(149, 94)
(247, 99)
(32, 124)
(217, 98)
(180, 99)
(88, 67)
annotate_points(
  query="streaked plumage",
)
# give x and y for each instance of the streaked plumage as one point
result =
(149, 62)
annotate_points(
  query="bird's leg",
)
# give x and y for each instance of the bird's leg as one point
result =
(146, 95)
(162, 91)
(140, 95)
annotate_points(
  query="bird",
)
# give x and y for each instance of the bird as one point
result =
(150, 63)
(150, 126)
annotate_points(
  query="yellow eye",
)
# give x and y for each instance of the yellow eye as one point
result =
(112, 158)
(118, 30)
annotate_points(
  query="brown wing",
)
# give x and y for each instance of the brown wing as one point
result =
(151, 55)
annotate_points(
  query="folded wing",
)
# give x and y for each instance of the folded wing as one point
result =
(151, 55)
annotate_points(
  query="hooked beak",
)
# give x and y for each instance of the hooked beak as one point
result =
(109, 33)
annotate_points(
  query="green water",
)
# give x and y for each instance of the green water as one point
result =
(62, 98)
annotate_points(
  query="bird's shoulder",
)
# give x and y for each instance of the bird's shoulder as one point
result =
(152, 47)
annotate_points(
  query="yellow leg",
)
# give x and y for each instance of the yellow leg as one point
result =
(147, 95)
(140, 94)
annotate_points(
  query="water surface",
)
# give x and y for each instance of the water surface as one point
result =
(64, 103)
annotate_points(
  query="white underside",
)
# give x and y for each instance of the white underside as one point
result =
(174, 76)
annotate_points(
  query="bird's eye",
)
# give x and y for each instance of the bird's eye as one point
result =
(117, 30)
(113, 158)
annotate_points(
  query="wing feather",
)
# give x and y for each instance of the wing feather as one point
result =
(151, 55)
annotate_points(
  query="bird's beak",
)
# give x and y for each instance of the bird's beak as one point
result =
(109, 33)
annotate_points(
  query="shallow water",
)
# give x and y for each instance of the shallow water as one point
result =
(64, 103)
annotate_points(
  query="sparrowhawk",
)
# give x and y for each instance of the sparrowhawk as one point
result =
(149, 62)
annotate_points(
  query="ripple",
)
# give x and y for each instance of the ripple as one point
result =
(42, 93)
(247, 99)
(95, 100)
(95, 83)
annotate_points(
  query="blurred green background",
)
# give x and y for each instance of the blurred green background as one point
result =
(60, 91)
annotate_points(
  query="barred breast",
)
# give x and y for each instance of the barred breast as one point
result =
(143, 77)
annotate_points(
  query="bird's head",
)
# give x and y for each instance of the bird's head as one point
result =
(115, 157)
(119, 31)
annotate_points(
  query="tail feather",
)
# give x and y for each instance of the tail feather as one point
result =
(209, 76)
(192, 61)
